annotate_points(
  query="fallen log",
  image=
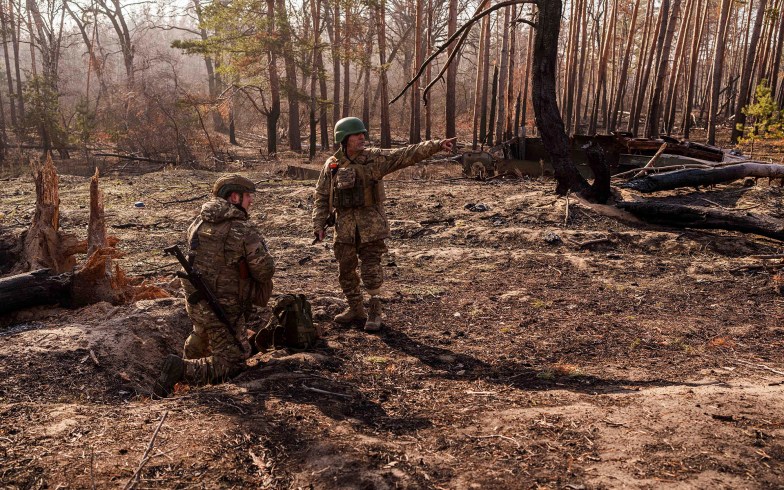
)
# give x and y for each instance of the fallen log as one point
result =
(40, 287)
(683, 216)
(699, 177)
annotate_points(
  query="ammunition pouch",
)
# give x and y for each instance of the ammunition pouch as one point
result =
(353, 189)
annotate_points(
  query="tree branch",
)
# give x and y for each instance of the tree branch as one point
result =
(454, 36)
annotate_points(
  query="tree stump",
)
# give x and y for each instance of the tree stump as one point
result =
(45, 245)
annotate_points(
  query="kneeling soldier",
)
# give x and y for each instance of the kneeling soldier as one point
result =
(234, 262)
(351, 187)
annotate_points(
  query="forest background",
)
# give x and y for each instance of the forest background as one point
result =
(185, 81)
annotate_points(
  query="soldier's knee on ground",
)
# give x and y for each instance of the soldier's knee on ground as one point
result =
(196, 346)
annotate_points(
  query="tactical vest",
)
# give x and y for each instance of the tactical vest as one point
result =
(353, 188)
(207, 246)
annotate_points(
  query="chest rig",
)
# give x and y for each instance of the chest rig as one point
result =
(353, 187)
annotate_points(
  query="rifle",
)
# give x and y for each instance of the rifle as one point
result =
(195, 278)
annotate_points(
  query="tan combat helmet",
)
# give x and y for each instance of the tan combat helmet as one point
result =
(227, 184)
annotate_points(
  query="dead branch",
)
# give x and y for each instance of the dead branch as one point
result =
(454, 36)
(759, 366)
(652, 161)
(451, 56)
(324, 392)
(662, 169)
(135, 478)
(179, 201)
(137, 159)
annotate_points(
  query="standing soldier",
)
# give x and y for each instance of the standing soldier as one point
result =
(350, 194)
(236, 266)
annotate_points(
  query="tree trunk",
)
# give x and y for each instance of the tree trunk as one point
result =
(292, 94)
(694, 57)
(479, 87)
(527, 79)
(698, 177)
(485, 81)
(748, 70)
(718, 64)
(366, 89)
(510, 92)
(680, 59)
(428, 70)
(654, 107)
(4, 27)
(493, 101)
(682, 216)
(571, 54)
(273, 112)
(315, 6)
(451, 76)
(336, 44)
(347, 62)
(386, 136)
(548, 118)
(575, 118)
(601, 77)
(644, 54)
(624, 73)
(500, 119)
(415, 134)
(774, 82)
(40, 287)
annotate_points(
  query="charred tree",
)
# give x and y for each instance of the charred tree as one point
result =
(683, 216)
(699, 177)
(386, 133)
(451, 75)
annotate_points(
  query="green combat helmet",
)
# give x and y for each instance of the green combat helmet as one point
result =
(227, 184)
(348, 126)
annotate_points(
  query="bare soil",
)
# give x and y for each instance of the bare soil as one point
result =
(512, 356)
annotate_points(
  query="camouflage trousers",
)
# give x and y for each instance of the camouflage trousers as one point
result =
(211, 354)
(349, 256)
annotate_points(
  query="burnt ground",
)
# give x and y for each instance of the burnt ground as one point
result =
(511, 357)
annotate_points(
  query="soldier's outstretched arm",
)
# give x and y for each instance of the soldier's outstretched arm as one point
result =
(410, 155)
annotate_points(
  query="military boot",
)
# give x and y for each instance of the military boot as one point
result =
(354, 313)
(173, 372)
(373, 323)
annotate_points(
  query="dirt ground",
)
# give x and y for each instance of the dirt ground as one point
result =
(514, 355)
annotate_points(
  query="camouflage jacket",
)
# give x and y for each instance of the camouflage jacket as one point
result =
(368, 223)
(231, 255)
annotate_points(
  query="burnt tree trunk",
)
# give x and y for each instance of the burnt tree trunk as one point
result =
(697, 177)
(40, 287)
(682, 216)
(548, 118)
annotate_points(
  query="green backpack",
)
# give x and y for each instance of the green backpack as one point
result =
(291, 325)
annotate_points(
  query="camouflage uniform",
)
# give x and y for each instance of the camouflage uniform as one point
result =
(236, 265)
(360, 231)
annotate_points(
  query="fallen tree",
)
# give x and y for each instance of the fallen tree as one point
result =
(701, 177)
(683, 216)
(33, 288)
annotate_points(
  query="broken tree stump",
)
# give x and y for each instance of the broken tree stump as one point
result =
(45, 245)
(701, 177)
(683, 216)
